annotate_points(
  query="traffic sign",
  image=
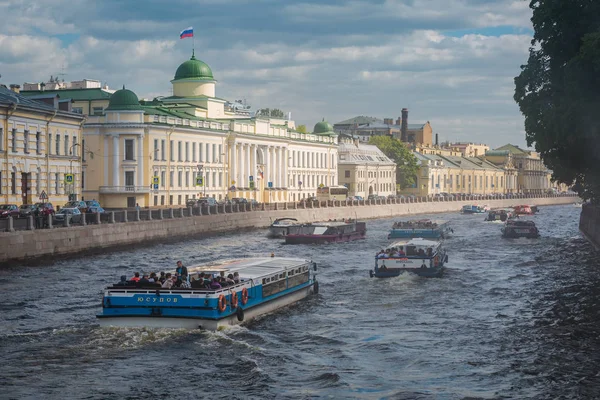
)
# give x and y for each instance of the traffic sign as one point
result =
(155, 180)
(321, 185)
(68, 178)
(199, 180)
(270, 184)
(155, 186)
(43, 195)
(251, 185)
(251, 178)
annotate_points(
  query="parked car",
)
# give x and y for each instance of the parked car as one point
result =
(7, 210)
(209, 201)
(92, 203)
(26, 210)
(81, 205)
(372, 197)
(308, 200)
(359, 198)
(400, 197)
(45, 208)
(254, 203)
(68, 212)
(239, 200)
(95, 209)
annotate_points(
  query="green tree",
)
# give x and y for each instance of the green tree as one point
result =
(301, 128)
(407, 165)
(558, 91)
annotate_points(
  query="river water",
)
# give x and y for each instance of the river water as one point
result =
(509, 319)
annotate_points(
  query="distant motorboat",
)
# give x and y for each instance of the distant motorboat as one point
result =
(328, 232)
(520, 229)
(474, 209)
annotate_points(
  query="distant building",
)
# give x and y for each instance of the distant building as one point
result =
(532, 175)
(365, 127)
(456, 174)
(87, 97)
(364, 169)
(40, 150)
(193, 144)
(470, 149)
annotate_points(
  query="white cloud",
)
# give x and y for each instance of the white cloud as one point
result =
(316, 59)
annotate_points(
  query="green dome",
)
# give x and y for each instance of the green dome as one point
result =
(323, 128)
(194, 69)
(124, 99)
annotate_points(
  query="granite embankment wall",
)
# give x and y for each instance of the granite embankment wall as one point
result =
(589, 224)
(44, 243)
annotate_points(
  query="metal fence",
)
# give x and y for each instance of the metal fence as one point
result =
(11, 224)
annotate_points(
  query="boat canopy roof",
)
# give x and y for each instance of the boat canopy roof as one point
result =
(249, 268)
(284, 219)
(417, 242)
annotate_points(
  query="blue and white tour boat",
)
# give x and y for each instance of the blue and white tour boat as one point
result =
(474, 209)
(265, 285)
(418, 256)
(425, 228)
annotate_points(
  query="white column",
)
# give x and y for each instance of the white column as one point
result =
(253, 163)
(105, 161)
(267, 169)
(278, 167)
(116, 172)
(140, 155)
(240, 156)
(273, 163)
(232, 166)
(286, 161)
(247, 169)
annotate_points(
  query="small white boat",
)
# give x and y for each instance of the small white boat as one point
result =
(265, 285)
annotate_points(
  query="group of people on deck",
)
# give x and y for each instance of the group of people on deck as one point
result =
(399, 252)
(181, 279)
(426, 224)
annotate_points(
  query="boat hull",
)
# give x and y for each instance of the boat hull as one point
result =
(429, 272)
(317, 239)
(250, 313)
(278, 232)
(417, 233)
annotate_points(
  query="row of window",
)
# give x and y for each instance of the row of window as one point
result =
(310, 181)
(488, 182)
(29, 137)
(306, 159)
(372, 174)
(27, 180)
(206, 152)
(283, 275)
(383, 187)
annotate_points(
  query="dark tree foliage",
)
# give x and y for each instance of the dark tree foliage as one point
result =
(558, 91)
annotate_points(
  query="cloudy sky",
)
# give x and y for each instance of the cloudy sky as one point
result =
(450, 62)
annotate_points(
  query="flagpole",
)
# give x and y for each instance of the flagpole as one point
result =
(193, 42)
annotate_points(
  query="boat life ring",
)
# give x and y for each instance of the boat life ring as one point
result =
(244, 296)
(222, 303)
(436, 261)
(234, 300)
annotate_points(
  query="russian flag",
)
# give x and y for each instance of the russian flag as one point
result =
(187, 32)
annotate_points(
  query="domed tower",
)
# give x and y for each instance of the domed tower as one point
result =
(124, 100)
(124, 106)
(193, 78)
(323, 128)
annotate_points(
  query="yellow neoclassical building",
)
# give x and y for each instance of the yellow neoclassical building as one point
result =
(40, 150)
(193, 144)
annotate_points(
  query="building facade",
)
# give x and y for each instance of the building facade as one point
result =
(40, 147)
(456, 174)
(191, 144)
(532, 175)
(364, 169)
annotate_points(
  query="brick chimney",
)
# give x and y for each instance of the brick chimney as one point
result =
(15, 88)
(404, 126)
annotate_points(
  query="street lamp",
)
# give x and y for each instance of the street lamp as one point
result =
(201, 173)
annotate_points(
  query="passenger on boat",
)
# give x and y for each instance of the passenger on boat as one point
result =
(185, 284)
(236, 277)
(429, 251)
(135, 277)
(182, 271)
(168, 283)
(162, 278)
(421, 252)
(230, 280)
(144, 280)
(153, 278)
(215, 285)
(123, 281)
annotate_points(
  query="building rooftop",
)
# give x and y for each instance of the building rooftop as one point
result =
(74, 94)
